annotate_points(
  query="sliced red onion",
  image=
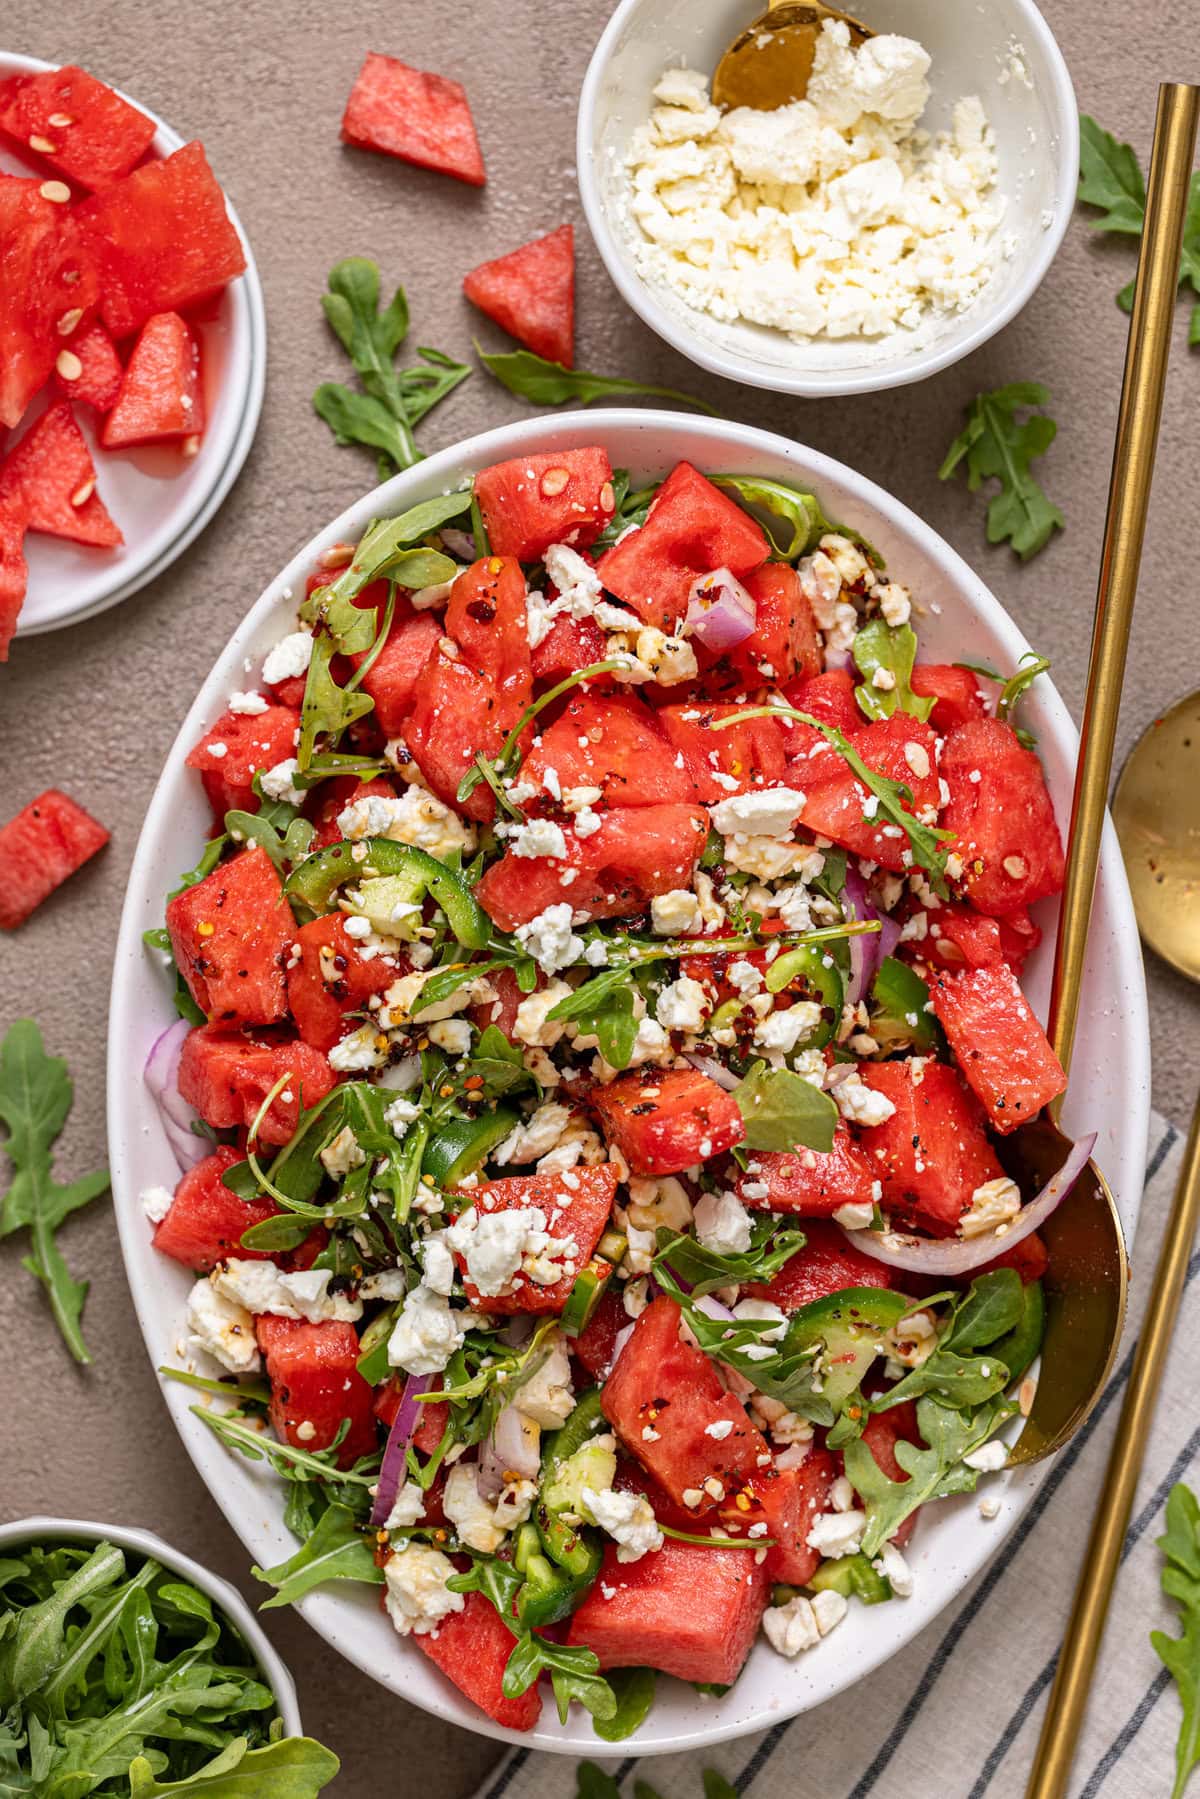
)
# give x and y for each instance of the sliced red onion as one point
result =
(619, 1341)
(161, 1075)
(720, 612)
(865, 951)
(959, 1255)
(393, 1470)
(712, 1308)
(512, 1447)
(459, 543)
(716, 1071)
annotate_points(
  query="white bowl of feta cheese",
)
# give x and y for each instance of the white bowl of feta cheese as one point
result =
(865, 237)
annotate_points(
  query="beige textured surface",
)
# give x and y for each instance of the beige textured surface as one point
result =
(94, 709)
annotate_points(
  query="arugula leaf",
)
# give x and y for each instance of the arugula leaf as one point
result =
(893, 649)
(574, 1674)
(782, 1110)
(544, 383)
(592, 1782)
(997, 443)
(292, 1768)
(336, 1550)
(1180, 1544)
(35, 1098)
(327, 709)
(771, 1245)
(633, 1690)
(1110, 178)
(800, 512)
(716, 1786)
(932, 1473)
(350, 1487)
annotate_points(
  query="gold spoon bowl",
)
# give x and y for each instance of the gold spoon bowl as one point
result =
(769, 63)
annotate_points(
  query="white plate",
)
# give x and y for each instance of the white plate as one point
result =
(1109, 1091)
(160, 499)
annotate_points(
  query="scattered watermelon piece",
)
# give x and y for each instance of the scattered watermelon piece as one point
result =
(99, 380)
(421, 118)
(530, 293)
(161, 395)
(206, 1220)
(39, 848)
(77, 124)
(50, 480)
(229, 935)
(162, 240)
(46, 275)
(13, 575)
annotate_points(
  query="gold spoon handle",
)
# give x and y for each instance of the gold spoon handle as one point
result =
(1085, 1627)
(1128, 499)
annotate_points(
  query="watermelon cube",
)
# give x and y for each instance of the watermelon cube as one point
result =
(13, 575)
(903, 749)
(810, 1183)
(39, 848)
(161, 394)
(1002, 816)
(786, 1500)
(530, 293)
(749, 754)
(230, 935)
(420, 118)
(162, 240)
(472, 1648)
(614, 742)
(661, 1399)
(206, 1221)
(315, 1385)
(227, 1074)
(560, 496)
(998, 1043)
(568, 646)
(47, 283)
(580, 1213)
(330, 977)
(99, 379)
(933, 1152)
(239, 746)
(666, 1120)
(76, 124)
(392, 678)
(486, 618)
(685, 1610)
(827, 1264)
(49, 479)
(457, 713)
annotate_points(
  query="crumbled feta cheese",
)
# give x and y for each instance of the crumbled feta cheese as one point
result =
(722, 1223)
(719, 1429)
(762, 1311)
(783, 1029)
(452, 1035)
(861, 1104)
(987, 1458)
(532, 1024)
(836, 1534)
(681, 1005)
(535, 1136)
(249, 705)
(262, 1287)
(576, 581)
(427, 1332)
(156, 1203)
(437, 1264)
(361, 1050)
(277, 783)
(854, 1216)
(547, 1398)
(481, 1523)
(407, 1507)
(342, 1154)
(540, 837)
(222, 1328)
(416, 817)
(548, 938)
(627, 1517)
(662, 1203)
(499, 1245)
(892, 1565)
(289, 658)
(415, 1590)
(791, 1628)
(763, 812)
(675, 914)
(993, 1205)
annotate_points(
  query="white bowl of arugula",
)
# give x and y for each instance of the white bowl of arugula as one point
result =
(124, 1661)
(331, 1517)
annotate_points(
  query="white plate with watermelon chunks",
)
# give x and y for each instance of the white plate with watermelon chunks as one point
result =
(132, 345)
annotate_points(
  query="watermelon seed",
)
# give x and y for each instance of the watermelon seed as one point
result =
(554, 481)
(58, 191)
(60, 120)
(69, 320)
(68, 365)
(1016, 866)
(336, 556)
(42, 145)
(191, 445)
(84, 492)
(608, 498)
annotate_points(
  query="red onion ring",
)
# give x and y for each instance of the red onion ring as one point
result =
(866, 952)
(716, 1071)
(393, 1469)
(919, 1255)
(510, 1447)
(161, 1075)
(459, 543)
(720, 612)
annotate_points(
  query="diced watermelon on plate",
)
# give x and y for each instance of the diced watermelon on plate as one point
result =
(207, 1220)
(809, 1183)
(239, 746)
(486, 618)
(331, 977)
(316, 1386)
(583, 1220)
(786, 1500)
(557, 496)
(614, 742)
(47, 278)
(1003, 818)
(530, 293)
(77, 124)
(417, 116)
(637, 853)
(161, 393)
(39, 849)
(13, 575)
(666, 1120)
(230, 934)
(99, 379)
(933, 1152)
(749, 754)
(393, 677)
(827, 1264)
(49, 480)
(998, 1043)
(226, 1075)
(472, 1648)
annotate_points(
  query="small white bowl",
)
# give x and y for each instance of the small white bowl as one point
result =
(1001, 50)
(144, 1544)
(160, 500)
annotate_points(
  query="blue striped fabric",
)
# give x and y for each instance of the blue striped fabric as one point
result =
(957, 1715)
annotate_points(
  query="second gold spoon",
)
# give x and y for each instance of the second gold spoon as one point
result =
(769, 63)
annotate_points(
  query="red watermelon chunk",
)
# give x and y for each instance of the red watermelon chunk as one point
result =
(902, 748)
(99, 380)
(638, 852)
(530, 293)
(76, 124)
(226, 1075)
(230, 935)
(393, 677)
(161, 395)
(750, 754)
(486, 619)
(666, 1120)
(569, 645)
(829, 697)
(688, 1611)
(615, 743)
(692, 528)
(239, 746)
(1004, 824)
(47, 279)
(162, 240)
(421, 118)
(13, 575)
(809, 1183)
(560, 496)
(827, 1264)
(206, 1221)
(933, 1151)
(953, 690)
(580, 1213)
(660, 1399)
(786, 1500)
(39, 849)
(331, 977)
(998, 1043)
(316, 1386)
(50, 480)
(456, 715)
(596, 1344)
(472, 1648)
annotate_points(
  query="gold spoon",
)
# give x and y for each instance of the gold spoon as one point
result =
(1153, 787)
(1088, 1272)
(769, 63)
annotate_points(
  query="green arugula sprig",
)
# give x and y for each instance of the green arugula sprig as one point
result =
(337, 1549)
(36, 1093)
(804, 524)
(1013, 688)
(782, 1111)
(892, 648)
(772, 1245)
(1001, 439)
(501, 767)
(1180, 1545)
(393, 401)
(544, 383)
(574, 1671)
(594, 1782)
(1110, 179)
(933, 1472)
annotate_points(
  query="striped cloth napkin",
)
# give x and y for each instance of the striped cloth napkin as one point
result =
(958, 1713)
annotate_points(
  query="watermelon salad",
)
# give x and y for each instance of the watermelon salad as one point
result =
(109, 258)
(600, 1027)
